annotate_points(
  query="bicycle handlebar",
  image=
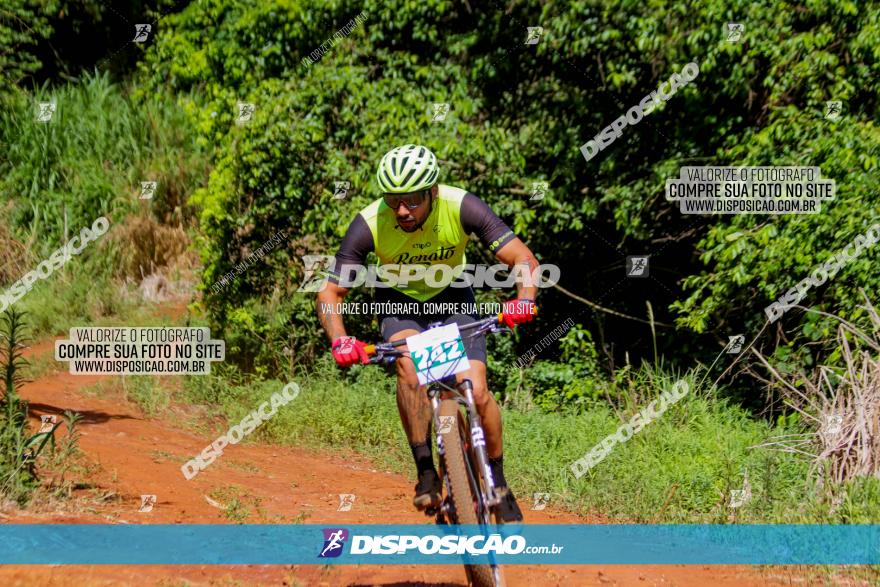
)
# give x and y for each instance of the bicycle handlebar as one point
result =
(373, 349)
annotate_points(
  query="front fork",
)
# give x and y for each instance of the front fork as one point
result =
(478, 440)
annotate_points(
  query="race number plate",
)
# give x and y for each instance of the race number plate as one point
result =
(438, 353)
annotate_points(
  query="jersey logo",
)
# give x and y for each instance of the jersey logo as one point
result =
(441, 254)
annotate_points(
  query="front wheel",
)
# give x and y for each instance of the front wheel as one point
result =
(463, 489)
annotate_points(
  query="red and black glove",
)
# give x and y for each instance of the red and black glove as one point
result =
(348, 351)
(518, 312)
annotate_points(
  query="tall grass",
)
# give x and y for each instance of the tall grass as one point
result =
(58, 177)
(90, 158)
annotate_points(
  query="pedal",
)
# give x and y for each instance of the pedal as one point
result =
(499, 494)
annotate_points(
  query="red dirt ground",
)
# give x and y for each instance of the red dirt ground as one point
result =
(139, 455)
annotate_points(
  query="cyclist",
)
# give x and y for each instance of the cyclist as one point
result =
(420, 220)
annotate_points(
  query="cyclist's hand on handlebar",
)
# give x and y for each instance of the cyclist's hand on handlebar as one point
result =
(518, 312)
(348, 351)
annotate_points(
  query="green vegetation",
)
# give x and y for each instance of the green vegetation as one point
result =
(236, 503)
(19, 449)
(89, 160)
(680, 468)
(518, 114)
(166, 111)
(57, 178)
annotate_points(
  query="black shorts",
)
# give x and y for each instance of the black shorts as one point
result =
(475, 346)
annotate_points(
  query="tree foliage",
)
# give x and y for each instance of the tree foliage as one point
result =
(518, 114)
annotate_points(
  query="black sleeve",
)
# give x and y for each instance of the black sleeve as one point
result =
(478, 218)
(357, 242)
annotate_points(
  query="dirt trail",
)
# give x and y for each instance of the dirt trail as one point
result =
(139, 455)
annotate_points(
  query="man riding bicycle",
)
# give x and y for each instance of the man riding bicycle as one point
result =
(421, 221)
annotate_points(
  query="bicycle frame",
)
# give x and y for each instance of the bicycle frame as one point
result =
(462, 392)
(441, 393)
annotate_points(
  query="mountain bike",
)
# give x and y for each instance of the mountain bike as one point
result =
(471, 495)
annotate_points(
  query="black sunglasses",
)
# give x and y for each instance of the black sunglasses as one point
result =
(411, 202)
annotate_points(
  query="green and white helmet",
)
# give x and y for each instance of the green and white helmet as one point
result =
(407, 168)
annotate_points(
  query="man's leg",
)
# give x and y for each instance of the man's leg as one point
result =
(412, 400)
(490, 416)
(415, 415)
(487, 407)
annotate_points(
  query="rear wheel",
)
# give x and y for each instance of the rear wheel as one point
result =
(463, 490)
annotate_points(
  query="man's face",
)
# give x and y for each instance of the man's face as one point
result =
(408, 219)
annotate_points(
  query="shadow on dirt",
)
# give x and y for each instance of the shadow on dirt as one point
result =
(89, 417)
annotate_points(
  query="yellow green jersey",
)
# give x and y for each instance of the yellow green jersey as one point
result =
(441, 239)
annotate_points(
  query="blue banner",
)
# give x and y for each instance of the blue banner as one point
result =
(428, 544)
